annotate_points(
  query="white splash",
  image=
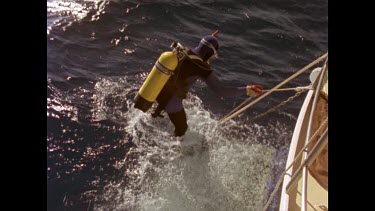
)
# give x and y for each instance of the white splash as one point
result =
(213, 167)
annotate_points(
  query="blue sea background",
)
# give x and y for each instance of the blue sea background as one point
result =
(102, 154)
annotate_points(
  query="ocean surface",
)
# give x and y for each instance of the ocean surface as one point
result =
(102, 154)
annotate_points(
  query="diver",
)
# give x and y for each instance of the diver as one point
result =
(195, 65)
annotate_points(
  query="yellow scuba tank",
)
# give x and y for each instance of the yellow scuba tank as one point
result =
(155, 81)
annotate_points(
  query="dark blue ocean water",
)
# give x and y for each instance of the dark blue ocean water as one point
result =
(104, 155)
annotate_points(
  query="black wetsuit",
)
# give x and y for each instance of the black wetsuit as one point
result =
(177, 87)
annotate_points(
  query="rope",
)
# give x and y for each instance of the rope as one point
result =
(239, 106)
(223, 120)
(279, 106)
(295, 159)
(299, 88)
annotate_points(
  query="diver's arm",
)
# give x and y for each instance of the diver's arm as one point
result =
(218, 87)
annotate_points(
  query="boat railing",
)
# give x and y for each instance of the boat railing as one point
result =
(309, 157)
(308, 161)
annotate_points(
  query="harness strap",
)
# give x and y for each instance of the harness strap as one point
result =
(195, 57)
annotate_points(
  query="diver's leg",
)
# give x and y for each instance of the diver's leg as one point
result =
(163, 99)
(179, 121)
(177, 115)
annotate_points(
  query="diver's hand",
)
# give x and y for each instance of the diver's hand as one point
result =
(254, 90)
